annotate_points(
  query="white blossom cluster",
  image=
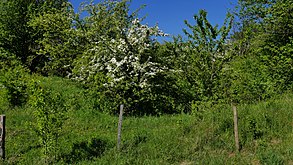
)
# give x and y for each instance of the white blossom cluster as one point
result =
(123, 59)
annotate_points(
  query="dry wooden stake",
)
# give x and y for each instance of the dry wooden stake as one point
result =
(236, 127)
(119, 127)
(2, 136)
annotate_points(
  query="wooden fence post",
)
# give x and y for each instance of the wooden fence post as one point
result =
(2, 136)
(236, 127)
(120, 127)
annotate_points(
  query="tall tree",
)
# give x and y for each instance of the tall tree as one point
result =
(118, 58)
(57, 43)
(206, 54)
(15, 34)
(268, 24)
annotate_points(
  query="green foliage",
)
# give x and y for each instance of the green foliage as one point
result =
(205, 55)
(15, 81)
(4, 103)
(175, 86)
(50, 113)
(279, 59)
(278, 23)
(16, 36)
(246, 80)
(266, 31)
(57, 47)
(118, 59)
(13, 78)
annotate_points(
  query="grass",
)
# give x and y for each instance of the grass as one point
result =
(89, 137)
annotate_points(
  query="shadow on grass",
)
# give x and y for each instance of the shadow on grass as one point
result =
(86, 150)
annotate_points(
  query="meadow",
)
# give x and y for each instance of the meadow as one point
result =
(202, 137)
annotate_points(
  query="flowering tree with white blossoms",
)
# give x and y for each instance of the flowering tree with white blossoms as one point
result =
(123, 64)
(123, 59)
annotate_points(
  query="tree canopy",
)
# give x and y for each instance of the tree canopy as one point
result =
(111, 52)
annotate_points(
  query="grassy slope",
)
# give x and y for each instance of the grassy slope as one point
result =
(89, 137)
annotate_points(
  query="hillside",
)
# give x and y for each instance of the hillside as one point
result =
(205, 137)
(64, 72)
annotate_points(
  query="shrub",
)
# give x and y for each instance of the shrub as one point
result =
(13, 77)
(246, 80)
(50, 113)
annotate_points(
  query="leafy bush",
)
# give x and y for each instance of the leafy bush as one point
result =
(246, 80)
(50, 113)
(13, 77)
(205, 55)
(57, 43)
(279, 60)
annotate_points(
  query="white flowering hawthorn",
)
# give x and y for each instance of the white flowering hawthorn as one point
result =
(126, 59)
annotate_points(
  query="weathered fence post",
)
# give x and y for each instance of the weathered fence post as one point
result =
(120, 126)
(236, 127)
(2, 136)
